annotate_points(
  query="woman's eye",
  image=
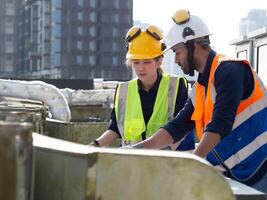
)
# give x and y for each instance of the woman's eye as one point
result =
(147, 62)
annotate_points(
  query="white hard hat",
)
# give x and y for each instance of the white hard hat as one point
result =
(186, 27)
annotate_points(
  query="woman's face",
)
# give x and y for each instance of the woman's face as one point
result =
(146, 70)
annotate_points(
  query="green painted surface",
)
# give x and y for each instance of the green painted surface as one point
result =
(85, 113)
(79, 132)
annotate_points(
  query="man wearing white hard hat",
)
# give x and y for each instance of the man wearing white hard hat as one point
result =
(227, 106)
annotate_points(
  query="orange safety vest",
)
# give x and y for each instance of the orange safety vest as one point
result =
(203, 106)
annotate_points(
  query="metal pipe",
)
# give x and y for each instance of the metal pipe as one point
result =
(38, 90)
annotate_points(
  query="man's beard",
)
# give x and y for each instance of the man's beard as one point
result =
(185, 68)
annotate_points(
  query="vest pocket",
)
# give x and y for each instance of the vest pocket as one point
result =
(133, 129)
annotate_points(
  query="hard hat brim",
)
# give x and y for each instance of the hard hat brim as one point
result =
(178, 46)
(141, 56)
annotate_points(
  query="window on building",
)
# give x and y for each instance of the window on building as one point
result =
(47, 47)
(58, 3)
(115, 61)
(116, 4)
(128, 4)
(92, 45)
(80, 15)
(80, 30)
(92, 17)
(10, 9)
(34, 25)
(92, 31)
(47, 34)
(9, 47)
(80, 2)
(57, 45)
(47, 7)
(115, 32)
(116, 17)
(39, 11)
(47, 20)
(58, 30)
(92, 60)
(9, 66)
(79, 44)
(92, 3)
(115, 46)
(58, 16)
(47, 62)
(39, 37)
(35, 11)
(242, 54)
(57, 59)
(262, 62)
(9, 26)
(79, 59)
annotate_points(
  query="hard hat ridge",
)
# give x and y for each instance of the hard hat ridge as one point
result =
(186, 27)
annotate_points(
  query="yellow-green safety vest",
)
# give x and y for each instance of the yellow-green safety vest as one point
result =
(128, 108)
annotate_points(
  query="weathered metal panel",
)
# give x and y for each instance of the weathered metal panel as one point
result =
(66, 170)
(60, 176)
(16, 158)
(21, 110)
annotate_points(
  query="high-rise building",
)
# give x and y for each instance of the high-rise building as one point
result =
(8, 37)
(74, 39)
(256, 19)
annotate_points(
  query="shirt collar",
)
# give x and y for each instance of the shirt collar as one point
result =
(204, 77)
(155, 86)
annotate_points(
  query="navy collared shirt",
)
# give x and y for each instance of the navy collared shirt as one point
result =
(233, 83)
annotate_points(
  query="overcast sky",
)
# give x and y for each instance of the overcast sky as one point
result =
(222, 17)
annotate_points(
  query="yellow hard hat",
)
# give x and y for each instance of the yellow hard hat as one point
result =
(146, 44)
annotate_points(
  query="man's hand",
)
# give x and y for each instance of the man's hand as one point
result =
(207, 143)
(159, 140)
(106, 139)
(94, 144)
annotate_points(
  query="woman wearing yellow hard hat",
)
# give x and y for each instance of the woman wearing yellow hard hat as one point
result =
(146, 103)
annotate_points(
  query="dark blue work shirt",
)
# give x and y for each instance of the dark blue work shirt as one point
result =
(148, 99)
(233, 83)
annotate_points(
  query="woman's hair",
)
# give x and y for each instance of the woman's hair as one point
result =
(128, 63)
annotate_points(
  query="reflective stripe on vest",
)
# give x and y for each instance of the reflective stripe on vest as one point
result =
(128, 109)
(244, 150)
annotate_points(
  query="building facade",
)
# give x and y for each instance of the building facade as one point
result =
(253, 47)
(8, 37)
(256, 19)
(74, 39)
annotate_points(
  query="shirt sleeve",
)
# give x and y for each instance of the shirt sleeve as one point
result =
(182, 123)
(231, 79)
